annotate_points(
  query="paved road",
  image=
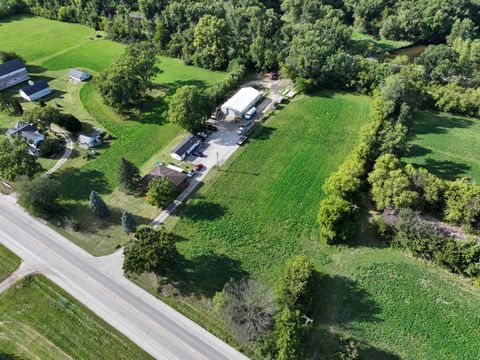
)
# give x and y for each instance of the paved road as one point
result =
(99, 285)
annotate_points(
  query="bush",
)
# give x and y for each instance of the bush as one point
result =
(39, 195)
(50, 146)
(160, 192)
(296, 284)
(336, 220)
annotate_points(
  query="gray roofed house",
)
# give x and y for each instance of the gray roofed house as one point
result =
(78, 75)
(29, 133)
(186, 147)
(12, 73)
(35, 90)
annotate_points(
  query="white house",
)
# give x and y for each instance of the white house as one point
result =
(88, 142)
(186, 147)
(35, 90)
(12, 73)
(78, 75)
(241, 102)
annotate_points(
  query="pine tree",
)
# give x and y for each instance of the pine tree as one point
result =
(16, 107)
(98, 206)
(129, 224)
(129, 177)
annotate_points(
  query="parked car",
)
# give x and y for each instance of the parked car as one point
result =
(242, 140)
(198, 167)
(202, 135)
(241, 130)
(211, 127)
(191, 173)
(198, 153)
(250, 113)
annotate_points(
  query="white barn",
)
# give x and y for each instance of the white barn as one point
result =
(78, 75)
(241, 102)
(35, 90)
(12, 73)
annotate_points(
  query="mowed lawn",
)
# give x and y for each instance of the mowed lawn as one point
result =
(9, 262)
(261, 210)
(38, 320)
(144, 138)
(447, 145)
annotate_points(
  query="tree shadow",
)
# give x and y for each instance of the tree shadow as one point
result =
(174, 85)
(205, 274)
(263, 132)
(36, 69)
(417, 151)
(77, 184)
(446, 169)
(200, 208)
(437, 123)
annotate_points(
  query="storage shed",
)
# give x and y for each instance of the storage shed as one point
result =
(186, 147)
(241, 102)
(78, 75)
(35, 90)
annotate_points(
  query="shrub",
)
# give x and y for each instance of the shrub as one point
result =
(160, 192)
(39, 195)
(335, 218)
(462, 203)
(50, 146)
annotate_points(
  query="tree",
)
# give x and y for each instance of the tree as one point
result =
(210, 43)
(129, 225)
(390, 186)
(69, 123)
(336, 220)
(288, 333)
(8, 55)
(15, 160)
(402, 89)
(98, 206)
(160, 192)
(463, 29)
(150, 250)
(249, 306)
(462, 203)
(129, 176)
(43, 117)
(440, 62)
(296, 284)
(50, 146)
(39, 195)
(16, 108)
(127, 80)
(189, 107)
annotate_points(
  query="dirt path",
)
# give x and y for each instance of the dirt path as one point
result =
(66, 154)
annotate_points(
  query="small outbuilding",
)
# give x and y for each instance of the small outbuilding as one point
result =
(186, 147)
(178, 179)
(78, 75)
(88, 142)
(12, 73)
(241, 102)
(35, 90)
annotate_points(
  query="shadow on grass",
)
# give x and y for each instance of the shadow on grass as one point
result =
(446, 169)
(77, 184)
(263, 133)
(435, 123)
(205, 274)
(200, 208)
(7, 356)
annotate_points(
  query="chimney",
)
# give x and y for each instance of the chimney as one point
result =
(31, 83)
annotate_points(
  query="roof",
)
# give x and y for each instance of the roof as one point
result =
(28, 132)
(21, 126)
(186, 144)
(85, 139)
(176, 178)
(35, 88)
(11, 66)
(243, 99)
(77, 74)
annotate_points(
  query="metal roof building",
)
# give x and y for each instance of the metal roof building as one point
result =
(241, 102)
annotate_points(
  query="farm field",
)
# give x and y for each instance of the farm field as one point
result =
(142, 137)
(9, 262)
(39, 320)
(447, 145)
(260, 210)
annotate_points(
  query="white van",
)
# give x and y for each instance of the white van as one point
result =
(250, 113)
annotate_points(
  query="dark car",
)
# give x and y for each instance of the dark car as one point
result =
(242, 140)
(211, 127)
(198, 153)
(198, 167)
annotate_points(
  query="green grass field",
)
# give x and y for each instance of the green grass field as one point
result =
(260, 211)
(144, 138)
(381, 45)
(447, 145)
(38, 320)
(9, 262)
